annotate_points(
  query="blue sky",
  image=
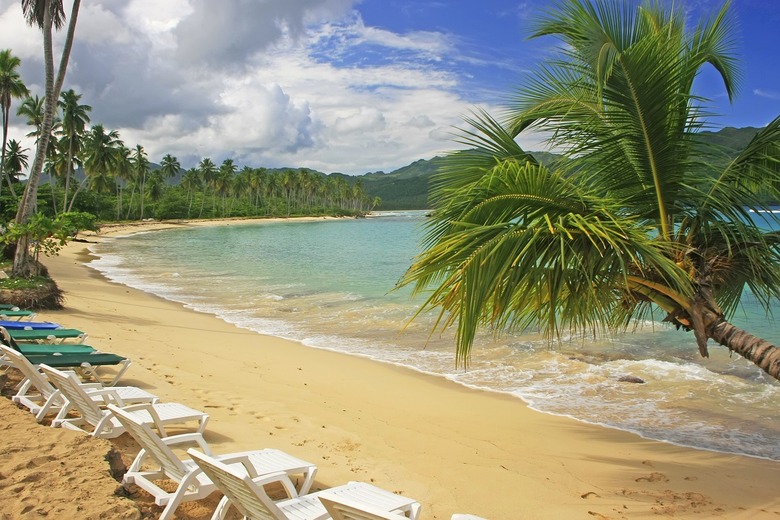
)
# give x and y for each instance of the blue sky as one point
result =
(335, 85)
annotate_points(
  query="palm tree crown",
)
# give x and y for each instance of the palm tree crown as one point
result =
(640, 216)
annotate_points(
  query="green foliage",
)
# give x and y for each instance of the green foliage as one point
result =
(48, 235)
(641, 214)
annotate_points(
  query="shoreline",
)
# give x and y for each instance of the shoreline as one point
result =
(453, 448)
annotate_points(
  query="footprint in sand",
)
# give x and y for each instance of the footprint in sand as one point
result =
(653, 477)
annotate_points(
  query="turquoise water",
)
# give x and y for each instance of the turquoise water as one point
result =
(329, 284)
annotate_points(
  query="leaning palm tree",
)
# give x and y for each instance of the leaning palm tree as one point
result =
(641, 216)
(11, 86)
(44, 14)
(74, 124)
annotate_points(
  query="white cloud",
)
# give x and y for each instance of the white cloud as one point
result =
(269, 83)
(768, 94)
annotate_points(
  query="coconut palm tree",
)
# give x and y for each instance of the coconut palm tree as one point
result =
(32, 110)
(74, 124)
(190, 181)
(101, 158)
(15, 160)
(11, 86)
(141, 167)
(46, 15)
(170, 166)
(208, 172)
(639, 218)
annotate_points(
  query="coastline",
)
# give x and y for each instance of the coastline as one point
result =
(452, 448)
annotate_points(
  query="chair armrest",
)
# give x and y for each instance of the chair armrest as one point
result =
(110, 395)
(192, 438)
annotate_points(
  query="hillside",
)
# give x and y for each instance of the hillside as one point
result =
(407, 187)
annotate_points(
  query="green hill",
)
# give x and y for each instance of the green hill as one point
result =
(407, 187)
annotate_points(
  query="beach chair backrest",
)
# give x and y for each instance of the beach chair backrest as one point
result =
(340, 508)
(36, 379)
(143, 434)
(68, 385)
(249, 498)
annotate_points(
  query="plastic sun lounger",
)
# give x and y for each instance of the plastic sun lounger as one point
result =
(103, 422)
(7, 338)
(340, 508)
(27, 325)
(243, 489)
(86, 365)
(47, 335)
(38, 395)
(192, 483)
(19, 315)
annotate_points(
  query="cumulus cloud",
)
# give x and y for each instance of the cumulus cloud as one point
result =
(266, 82)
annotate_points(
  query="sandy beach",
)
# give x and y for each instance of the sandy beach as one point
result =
(453, 449)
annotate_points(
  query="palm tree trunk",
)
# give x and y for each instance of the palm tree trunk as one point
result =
(24, 265)
(7, 177)
(752, 348)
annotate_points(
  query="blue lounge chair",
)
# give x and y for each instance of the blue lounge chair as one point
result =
(29, 325)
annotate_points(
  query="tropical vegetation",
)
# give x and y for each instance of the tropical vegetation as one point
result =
(643, 219)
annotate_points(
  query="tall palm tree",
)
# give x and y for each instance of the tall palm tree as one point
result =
(141, 167)
(46, 15)
(11, 86)
(639, 217)
(74, 124)
(101, 158)
(190, 181)
(123, 174)
(208, 172)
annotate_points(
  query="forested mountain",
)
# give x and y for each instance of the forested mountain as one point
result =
(407, 187)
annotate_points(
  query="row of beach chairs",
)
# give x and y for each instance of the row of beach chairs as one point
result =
(64, 379)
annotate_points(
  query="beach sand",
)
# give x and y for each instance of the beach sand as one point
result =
(453, 449)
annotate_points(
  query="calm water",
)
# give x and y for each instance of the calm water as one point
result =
(328, 284)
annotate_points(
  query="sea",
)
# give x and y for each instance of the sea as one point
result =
(332, 284)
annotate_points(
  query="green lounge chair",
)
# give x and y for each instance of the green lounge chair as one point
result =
(6, 338)
(38, 395)
(48, 336)
(16, 314)
(86, 365)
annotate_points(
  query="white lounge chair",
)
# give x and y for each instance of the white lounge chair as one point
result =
(243, 489)
(103, 421)
(37, 394)
(192, 483)
(340, 508)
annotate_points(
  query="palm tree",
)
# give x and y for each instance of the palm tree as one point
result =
(32, 109)
(190, 181)
(208, 172)
(123, 174)
(11, 86)
(639, 217)
(15, 160)
(170, 166)
(44, 14)
(74, 123)
(141, 167)
(101, 158)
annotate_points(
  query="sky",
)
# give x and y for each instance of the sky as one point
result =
(344, 86)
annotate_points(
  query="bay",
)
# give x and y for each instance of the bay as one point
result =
(331, 284)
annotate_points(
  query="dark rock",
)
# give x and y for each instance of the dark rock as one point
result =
(632, 379)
